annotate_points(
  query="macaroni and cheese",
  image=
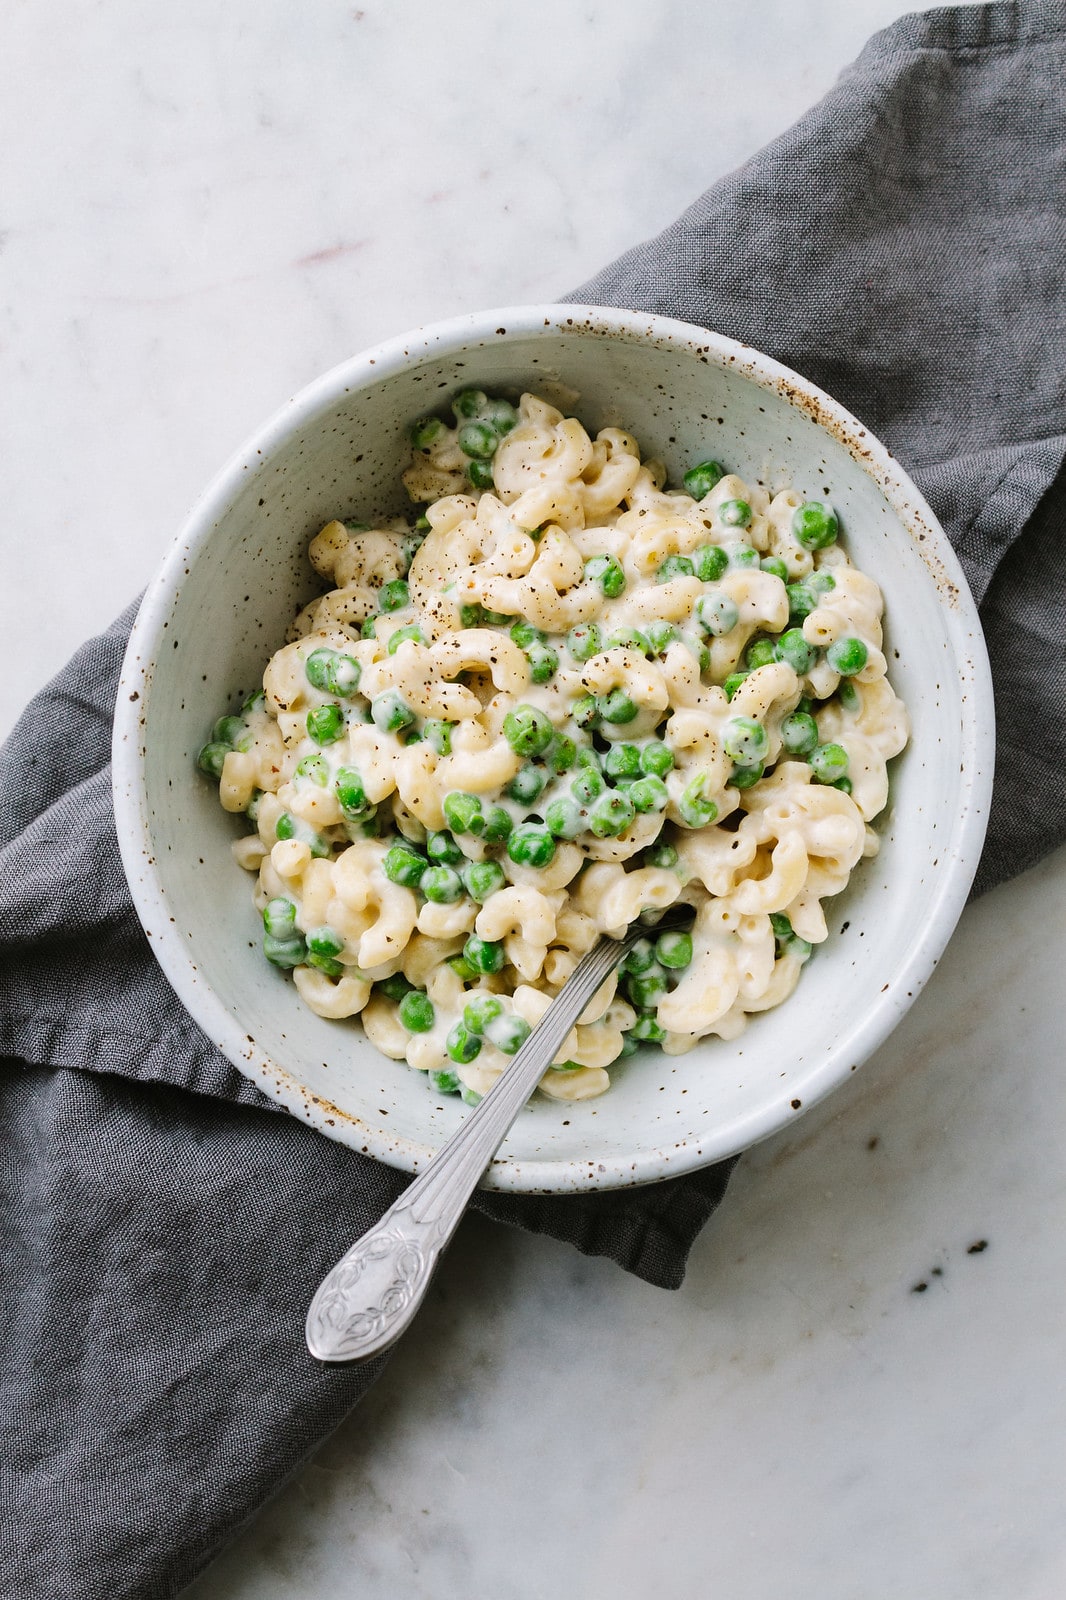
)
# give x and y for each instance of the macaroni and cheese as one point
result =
(564, 697)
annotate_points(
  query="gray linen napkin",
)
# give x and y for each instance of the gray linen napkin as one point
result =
(161, 1226)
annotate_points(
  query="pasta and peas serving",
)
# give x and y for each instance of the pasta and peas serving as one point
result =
(564, 697)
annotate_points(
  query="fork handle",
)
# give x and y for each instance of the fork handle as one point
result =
(367, 1301)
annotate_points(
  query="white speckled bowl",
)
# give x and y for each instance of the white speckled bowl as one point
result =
(238, 573)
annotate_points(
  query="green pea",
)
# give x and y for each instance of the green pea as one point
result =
(701, 479)
(462, 968)
(497, 619)
(567, 1066)
(524, 634)
(498, 824)
(829, 762)
(369, 629)
(586, 711)
(394, 596)
(442, 849)
(316, 668)
(847, 656)
(659, 635)
(470, 1097)
(793, 648)
(814, 525)
(775, 567)
(844, 785)
(481, 879)
(698, 649)
(212, 757)
(351, 795)
(646, 1030)
(463, 812)
(501, 416)
(716, 613)
(403, 865)
(390, 712)
(438, 735)
(820, 583)
(641, 958)
(663, 856)
(584, 641)
(478, 440)
(442, 885)
(733, 683)
(734, 513)
(629, 639)
(527, 784)
(781, 925)
(425, 431)
(256, 701)
(606, 570)
(648, 794)
(479, 1011)
(745, 741)
(629, 1047)
(563, 818)
(480, 474)
(616, 707)
(622, 761)
(285, 952)
(759, 654)
(710, 562)
(485, 955)
(561, 754)
(471, 616)
(674, 950)
(611, 814)
(543, 663)
(508, 1033)
(527, 730)
(674, 567)
(801, 602)
(395, 987)
(656, 759)
(325, 941)
(444, 1082)
(695, 807)
(469, 402)
(412, 631)
(462, 1045)
(647, 990)
(251, 810)
(232, 731)
(743, 556)
(745, 777)
(849, 695)
(316, 768)
(279, 917)
(799, 733)
(325, 724)
(587, 786)
(531, 845)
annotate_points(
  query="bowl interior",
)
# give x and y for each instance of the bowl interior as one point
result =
(239, 573)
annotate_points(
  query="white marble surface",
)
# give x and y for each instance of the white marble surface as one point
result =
(203, 208)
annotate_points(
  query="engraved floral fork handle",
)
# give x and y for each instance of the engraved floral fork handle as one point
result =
(374, 1291)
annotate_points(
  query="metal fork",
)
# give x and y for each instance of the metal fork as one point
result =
(367, 1301)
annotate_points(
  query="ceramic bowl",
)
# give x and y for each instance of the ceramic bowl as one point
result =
(237, 574)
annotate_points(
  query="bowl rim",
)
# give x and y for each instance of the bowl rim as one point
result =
(959, 859)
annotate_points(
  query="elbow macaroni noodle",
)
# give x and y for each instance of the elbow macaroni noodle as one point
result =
(566, 698)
